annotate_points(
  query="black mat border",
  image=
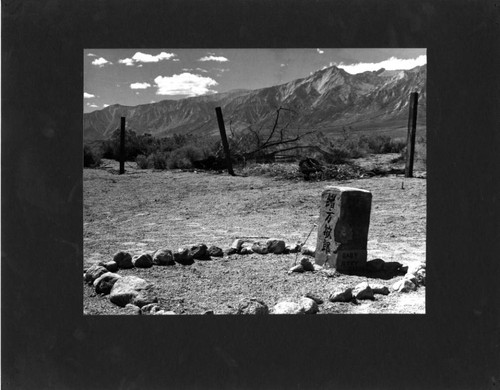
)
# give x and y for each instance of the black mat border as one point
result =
(47, 343)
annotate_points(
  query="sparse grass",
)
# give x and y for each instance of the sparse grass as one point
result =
(288, 171)
(145, 210)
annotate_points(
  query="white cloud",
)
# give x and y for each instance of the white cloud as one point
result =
(392, 63)
(222, 70)
(282, 65)
(127, 61)
(139, 85)
(88, 95)
(184, 84)
(91, 55)
(213, 58)
(144, 57)
(194, 70)
(100, 62)
(176, 60)
(105, 105)
(320, 51)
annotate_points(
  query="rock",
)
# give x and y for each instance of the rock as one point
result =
(287, 308)
(132, 309)
(200, 252)
(420, 275)
(164, 313)
(123, 259)
(209, 312)
(237, 244)
(375, 265)
(392, 267)
(257, 247)
(163, 257)
(308, 305)
(363, 291)
(150, 308)
(275, 246)
(380, 289)
(183, 256)
(343, 223)
(411, 277)
(404, 285)
(414, 268)
(317, 267)
(341, 296)
(308, 251)
(296, 268)
(215, 251)
(132, 289)
(144, 260)
(111, 266)
(314, 297)
(230, 251)
(246, 251)
(104, 283)
(94, 272)
(293, 248)
(306, 264)
(252, 306)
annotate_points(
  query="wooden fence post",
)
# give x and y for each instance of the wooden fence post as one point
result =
(412, 127)
(122, 146)
(223, 136)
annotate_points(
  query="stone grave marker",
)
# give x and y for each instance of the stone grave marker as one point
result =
(343, 228)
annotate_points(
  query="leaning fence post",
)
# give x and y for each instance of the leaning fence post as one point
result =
(412, 127)
(122, 146)
(223, 136)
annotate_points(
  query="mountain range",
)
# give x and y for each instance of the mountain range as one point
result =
(327, 100)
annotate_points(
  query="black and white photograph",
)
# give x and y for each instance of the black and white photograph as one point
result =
(250, 194)
(254, 181)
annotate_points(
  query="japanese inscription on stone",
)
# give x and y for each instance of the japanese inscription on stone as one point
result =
(343, 227)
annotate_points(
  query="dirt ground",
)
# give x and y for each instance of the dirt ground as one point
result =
(145, 210)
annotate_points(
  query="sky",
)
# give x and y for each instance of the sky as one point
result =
(140, 76)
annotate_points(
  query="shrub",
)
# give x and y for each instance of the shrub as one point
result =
(337, 155)
(141, 161)
(91, 157)
(183, 157)
(397, 144)
(292, 171)
(420, 156)
(157, 161)
(380, 144)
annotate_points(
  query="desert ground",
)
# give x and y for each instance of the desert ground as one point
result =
(146, 210)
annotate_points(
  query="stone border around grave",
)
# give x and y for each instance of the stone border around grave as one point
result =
(140, 299)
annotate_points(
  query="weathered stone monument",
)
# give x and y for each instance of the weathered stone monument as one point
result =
(343, 228)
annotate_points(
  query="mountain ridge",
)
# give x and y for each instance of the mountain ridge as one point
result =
(326, 100)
